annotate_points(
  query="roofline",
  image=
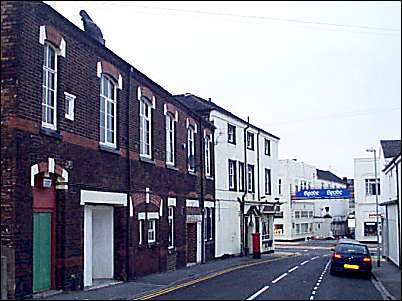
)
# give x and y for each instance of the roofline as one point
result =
(130, 67)
(222, 110)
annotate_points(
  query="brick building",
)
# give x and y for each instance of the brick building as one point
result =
(104, 174)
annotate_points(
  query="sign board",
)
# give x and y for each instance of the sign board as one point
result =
(330, 193)
(47, 183)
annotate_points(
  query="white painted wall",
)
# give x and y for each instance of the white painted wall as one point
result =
(292, 173)
(365, 206)
(227, 213)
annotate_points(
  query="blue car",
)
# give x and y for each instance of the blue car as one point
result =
(351, 256)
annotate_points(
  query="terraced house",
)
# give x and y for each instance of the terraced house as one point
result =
(104, 174)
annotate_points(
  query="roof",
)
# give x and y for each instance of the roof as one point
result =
(349, 241)
(391, 148)
(202, 106)
(329, 176)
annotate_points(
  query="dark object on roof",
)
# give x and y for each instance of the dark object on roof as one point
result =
(91, 28)
(203, 107)
(391, 148)
(329, 176)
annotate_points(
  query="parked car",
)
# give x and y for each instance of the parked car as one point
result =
(351, 256)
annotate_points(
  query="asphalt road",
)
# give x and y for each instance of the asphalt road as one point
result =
(303, 277)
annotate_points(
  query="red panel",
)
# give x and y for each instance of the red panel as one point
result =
(43, 198)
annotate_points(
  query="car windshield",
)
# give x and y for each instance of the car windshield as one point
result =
(351, 248)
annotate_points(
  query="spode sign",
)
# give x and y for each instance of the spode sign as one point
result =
(332, 193)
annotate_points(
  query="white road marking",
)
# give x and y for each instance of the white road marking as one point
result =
(304, 262)
(319, 280)
(279, 278)
(315, 257)
(293, 269)
(258, 293)
(312, 298)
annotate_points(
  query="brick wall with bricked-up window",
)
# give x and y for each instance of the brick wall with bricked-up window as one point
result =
(75, 145)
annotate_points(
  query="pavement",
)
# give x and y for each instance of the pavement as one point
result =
(161, 281)
(388, 276)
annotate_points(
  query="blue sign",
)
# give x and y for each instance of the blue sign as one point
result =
(333, 193)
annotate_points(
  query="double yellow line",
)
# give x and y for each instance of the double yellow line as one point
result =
(209, 276)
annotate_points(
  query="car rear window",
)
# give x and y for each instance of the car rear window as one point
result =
(351, 248)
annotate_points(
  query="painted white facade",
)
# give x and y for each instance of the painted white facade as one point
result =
(227, 213)
(391, 202)
(365, 204)
(305, 218)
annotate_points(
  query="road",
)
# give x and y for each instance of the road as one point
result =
(302, 277)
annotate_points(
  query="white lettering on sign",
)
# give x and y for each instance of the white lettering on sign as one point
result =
(334, 192)
(311, 193)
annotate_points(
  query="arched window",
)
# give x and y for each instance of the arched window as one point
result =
(49, 86)
(145, 127)
(190, 148)
(108, 111)
(170, 139)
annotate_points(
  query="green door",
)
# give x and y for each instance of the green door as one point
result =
(41, 251)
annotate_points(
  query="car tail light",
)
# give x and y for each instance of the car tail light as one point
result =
(367, 259)
(337, 256)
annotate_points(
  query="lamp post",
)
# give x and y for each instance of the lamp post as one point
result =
(372, 150)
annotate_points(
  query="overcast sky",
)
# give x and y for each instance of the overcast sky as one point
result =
(323, 76)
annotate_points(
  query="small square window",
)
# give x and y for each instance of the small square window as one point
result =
(69, 100)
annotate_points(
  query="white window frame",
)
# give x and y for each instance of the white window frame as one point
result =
(268, 186)
(241, 177)
(171, 225)
(151, 230)
(190, 147)
(231, 171)
(370, 184)
(170, 139)
(145, 104)
(69, 102)
(267, 147)
(250, 178)
(207, 149)
(140, 229)
(45, 87)
(106, 99)
(231, 135)
(250, 140)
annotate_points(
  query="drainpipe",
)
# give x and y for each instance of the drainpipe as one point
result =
(243, 234)
(398, 208)
(128, 177)
(202, 192)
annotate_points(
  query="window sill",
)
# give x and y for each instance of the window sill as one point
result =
(209, 178)
(169, 166)
(192, 173)
(51, 133)
(147, 160)
(109, 149)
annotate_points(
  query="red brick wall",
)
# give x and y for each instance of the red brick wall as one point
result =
(77, 151)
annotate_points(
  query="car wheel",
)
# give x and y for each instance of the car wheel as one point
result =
(332, 272)
(368, 275)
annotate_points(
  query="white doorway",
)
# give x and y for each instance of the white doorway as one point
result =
(98, 243)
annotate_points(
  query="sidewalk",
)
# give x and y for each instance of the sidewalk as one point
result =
(156, 282)
(389, 276)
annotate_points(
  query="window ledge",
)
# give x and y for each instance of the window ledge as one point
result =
(51, 133)
(193, 173)
(109, 149)
(170, 166)
(147, 160)
(209, 178)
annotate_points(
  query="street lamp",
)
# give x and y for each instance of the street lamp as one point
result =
(372, 150)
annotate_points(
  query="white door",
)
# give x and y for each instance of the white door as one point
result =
(98, 243)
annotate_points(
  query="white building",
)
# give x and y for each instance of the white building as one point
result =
(365, 199)
(390, 163)
(307, 217)
(246, 168)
